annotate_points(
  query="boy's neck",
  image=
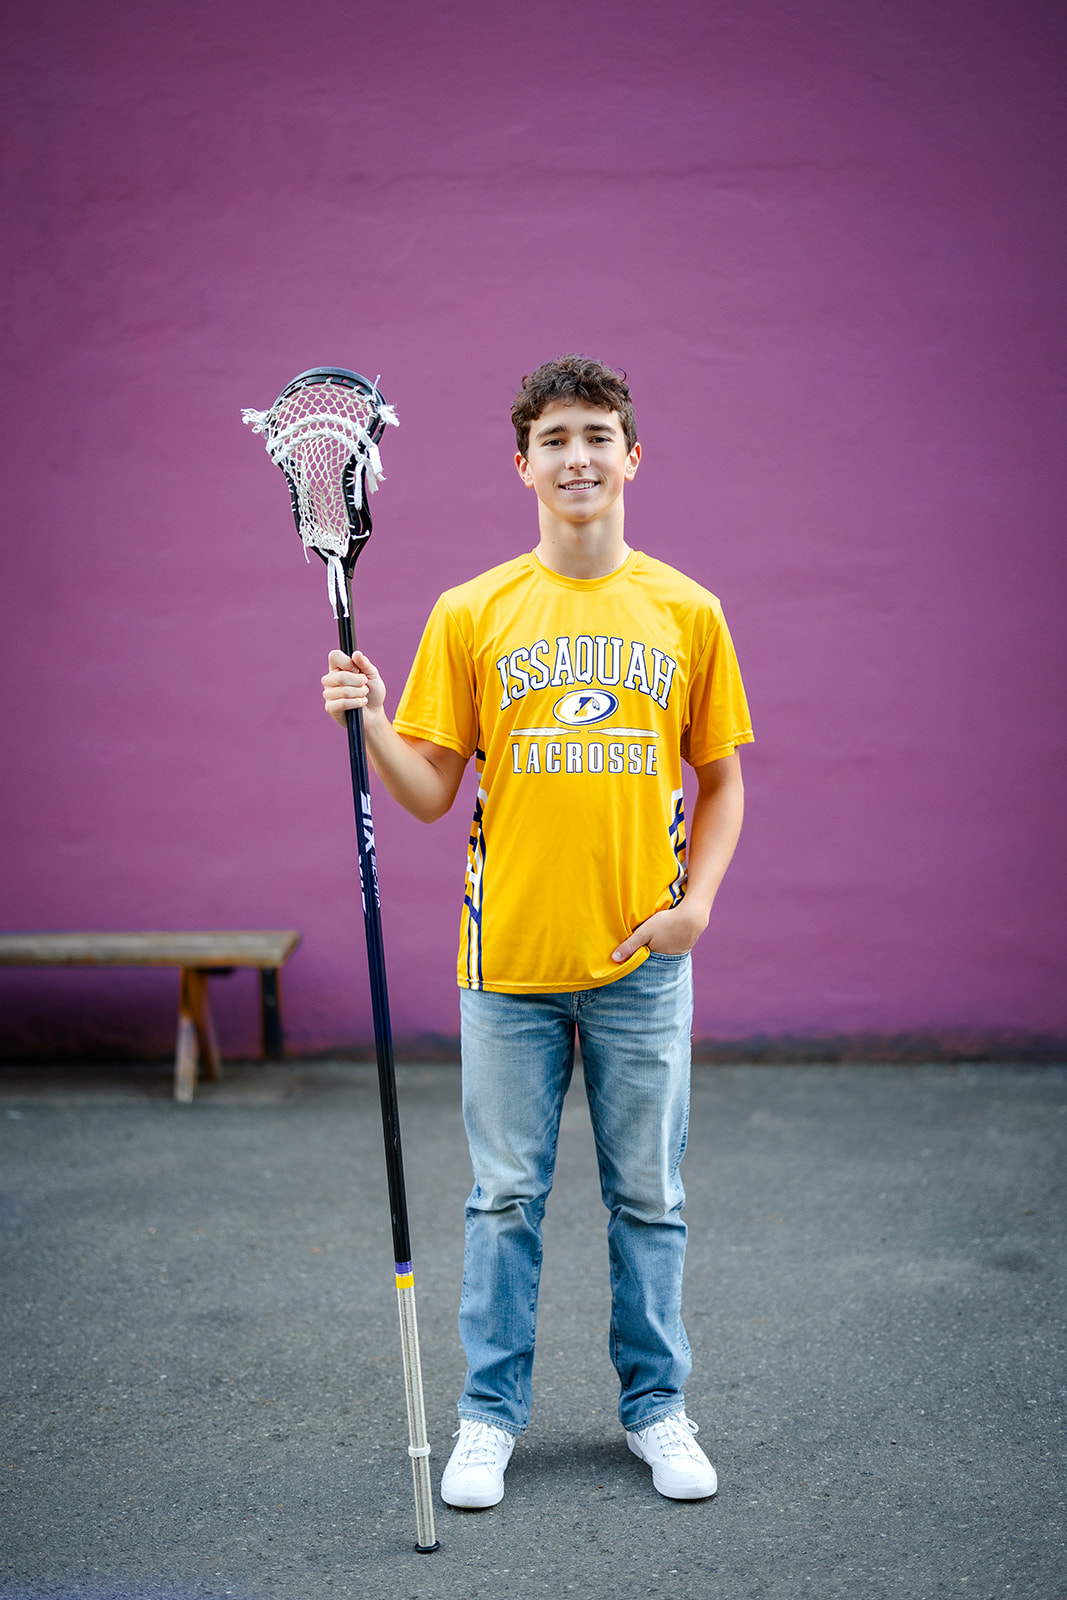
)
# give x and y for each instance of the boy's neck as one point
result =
(587, 552)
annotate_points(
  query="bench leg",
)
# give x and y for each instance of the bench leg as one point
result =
(272, 1037)
(196, 1035)
(185, 1060)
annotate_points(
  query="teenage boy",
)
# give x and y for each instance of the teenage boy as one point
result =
(579, 677)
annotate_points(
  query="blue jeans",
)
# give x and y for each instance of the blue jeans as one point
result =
(518, 1055)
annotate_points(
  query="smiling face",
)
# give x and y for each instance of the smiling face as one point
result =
(577, 461)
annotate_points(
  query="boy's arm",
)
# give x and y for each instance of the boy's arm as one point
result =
(713, 835)
(423, 776)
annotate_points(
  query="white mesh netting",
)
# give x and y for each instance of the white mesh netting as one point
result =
(313, 434)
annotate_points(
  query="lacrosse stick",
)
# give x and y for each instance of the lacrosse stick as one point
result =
(323, 431)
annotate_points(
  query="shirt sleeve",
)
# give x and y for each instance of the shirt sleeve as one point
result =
(439, 701)
(719, 717)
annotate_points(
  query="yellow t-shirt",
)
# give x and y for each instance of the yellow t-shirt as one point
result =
(579, 699)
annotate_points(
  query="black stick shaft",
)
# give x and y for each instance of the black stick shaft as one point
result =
(372, 918)
(419, 1449)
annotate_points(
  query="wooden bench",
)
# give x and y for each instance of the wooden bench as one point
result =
(199, 956)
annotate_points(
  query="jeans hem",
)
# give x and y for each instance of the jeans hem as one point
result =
(657, 1416)
(494, 1422)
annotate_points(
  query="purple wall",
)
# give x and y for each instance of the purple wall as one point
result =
(825, 240)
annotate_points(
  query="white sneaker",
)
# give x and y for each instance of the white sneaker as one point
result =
(474, 1476)
(680, 1469)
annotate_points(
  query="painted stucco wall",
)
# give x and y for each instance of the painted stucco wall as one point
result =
(826, 242)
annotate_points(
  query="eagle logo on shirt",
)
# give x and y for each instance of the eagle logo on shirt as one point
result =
(585, 707)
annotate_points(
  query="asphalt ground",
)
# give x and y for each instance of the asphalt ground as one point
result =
(202, 1376)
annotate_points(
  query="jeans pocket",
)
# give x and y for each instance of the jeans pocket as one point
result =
(660, 955)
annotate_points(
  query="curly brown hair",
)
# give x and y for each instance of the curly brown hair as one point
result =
(569, 379)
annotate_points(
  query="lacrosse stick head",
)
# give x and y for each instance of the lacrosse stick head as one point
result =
(323, 431)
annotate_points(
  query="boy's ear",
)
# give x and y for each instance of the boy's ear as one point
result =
(523, 468)
(633, 461)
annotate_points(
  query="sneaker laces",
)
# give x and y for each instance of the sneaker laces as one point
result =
(674, 1435)
(480, 1444)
